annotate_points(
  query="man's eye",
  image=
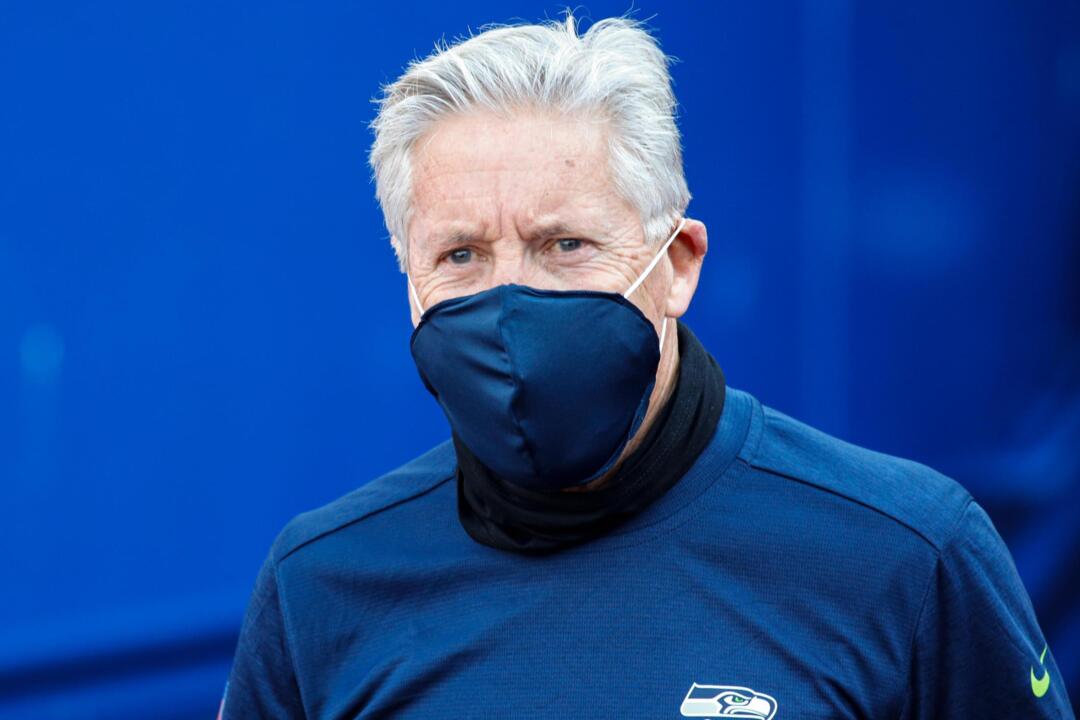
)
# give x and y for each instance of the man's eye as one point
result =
(460, 256)
(569, 244)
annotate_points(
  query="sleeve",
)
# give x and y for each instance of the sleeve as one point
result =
(262, 682)
(978, 651)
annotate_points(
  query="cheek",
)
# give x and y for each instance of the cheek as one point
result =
(445, 283)
(590, 268)
(578, 277)
(444, 288)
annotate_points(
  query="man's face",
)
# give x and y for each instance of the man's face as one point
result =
(525, 200)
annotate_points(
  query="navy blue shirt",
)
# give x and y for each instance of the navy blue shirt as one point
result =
(788, 574)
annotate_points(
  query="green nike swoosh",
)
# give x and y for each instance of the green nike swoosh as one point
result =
(1039, 686)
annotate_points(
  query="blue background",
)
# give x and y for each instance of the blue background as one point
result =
(203, 330)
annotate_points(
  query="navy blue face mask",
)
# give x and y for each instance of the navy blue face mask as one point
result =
(545, 387)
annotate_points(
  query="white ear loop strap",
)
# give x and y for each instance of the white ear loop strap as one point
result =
(415, 297)
(655, 261)
(649, 268)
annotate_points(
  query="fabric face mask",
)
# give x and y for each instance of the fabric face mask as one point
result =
(545, 387)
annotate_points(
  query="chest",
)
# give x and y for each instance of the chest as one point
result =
(630, 636)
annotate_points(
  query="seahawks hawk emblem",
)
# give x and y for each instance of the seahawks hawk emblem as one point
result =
(727, 701)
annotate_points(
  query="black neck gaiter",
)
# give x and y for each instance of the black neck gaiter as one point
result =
(508, 517)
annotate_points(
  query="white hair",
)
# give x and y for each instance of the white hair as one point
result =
(615, 70)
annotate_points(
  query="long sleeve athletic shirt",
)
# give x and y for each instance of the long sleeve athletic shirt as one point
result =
(787, 574)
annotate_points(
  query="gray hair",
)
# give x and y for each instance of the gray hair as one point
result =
(615, 69)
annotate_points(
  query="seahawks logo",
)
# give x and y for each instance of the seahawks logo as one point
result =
(727, 701)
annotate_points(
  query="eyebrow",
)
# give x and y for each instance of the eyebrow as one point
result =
(459, 237)
(453, 239)
(464, 237)
(551, 229)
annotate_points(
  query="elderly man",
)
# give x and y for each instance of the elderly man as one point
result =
(610, 531)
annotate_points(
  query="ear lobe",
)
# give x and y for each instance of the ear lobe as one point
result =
(686, 254)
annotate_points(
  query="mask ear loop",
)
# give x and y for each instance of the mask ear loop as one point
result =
(412, 288)
(649, 268)
(663, 332)
(415, 297)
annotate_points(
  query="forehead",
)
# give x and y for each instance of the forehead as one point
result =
(483, 169)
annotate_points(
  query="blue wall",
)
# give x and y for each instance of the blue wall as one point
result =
(203, 331)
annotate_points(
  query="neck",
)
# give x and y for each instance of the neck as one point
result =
(666, 373)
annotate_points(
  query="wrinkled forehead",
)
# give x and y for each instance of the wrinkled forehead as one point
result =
(529, 169)
(488, 140)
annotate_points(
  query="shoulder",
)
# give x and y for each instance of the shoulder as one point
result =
(908, 493)
(405, 484)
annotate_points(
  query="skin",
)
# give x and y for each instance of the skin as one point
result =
(529, 199)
